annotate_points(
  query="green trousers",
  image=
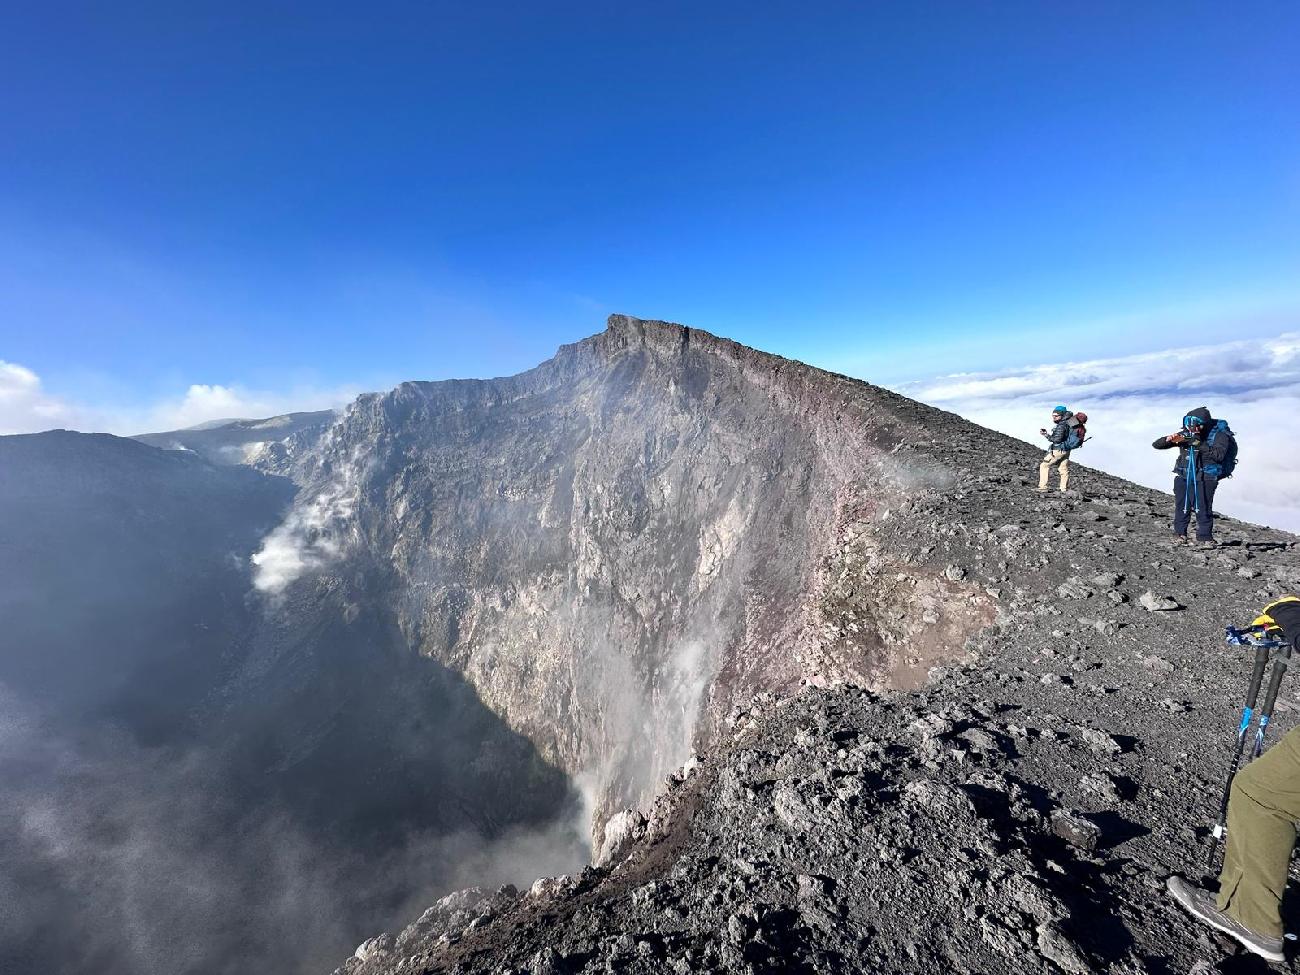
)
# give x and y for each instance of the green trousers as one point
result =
(1262, 815)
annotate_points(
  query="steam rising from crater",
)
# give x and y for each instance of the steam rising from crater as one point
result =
(315, 533)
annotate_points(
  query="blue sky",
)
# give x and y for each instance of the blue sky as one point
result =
(308, 199)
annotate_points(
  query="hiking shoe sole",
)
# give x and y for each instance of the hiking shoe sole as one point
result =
(1201, 905)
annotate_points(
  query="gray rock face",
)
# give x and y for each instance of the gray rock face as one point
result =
(617, 547)
(974, 771)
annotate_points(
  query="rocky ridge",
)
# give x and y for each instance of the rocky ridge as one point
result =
(229, 442)
(1005, 723)
(617, 547)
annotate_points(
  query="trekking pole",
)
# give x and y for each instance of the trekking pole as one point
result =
(1262, 647)
(1280, 663)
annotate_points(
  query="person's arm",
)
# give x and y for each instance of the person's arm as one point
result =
(1164, 443)
(1060, 434)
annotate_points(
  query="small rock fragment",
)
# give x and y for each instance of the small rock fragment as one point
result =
(374, 947)
(980, 741)
(621, 831)
(1073, 588)
(1076, 830)
(1158, 604)
(1055, 946)
(1100, 742)
(813, 887)
(1101, 785)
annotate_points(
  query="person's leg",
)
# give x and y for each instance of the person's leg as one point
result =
(1064, 468)
(1262, 816)
(1205, 510)
(1180, 505)
(1044, 471)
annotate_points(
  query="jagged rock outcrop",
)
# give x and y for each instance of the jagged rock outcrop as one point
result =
(617, 547)
(261, 442)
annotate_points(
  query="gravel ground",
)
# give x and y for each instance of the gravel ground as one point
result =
(1019, 811)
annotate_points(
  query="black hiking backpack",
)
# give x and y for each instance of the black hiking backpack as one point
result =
(1229, 462)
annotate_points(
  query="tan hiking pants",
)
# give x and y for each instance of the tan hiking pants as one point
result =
(1060, 459)
(1262, 816)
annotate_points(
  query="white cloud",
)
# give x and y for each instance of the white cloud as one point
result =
(26, 406)
(1132, 400)
(202, 403)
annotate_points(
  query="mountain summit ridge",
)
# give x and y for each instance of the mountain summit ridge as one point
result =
(912, 571)
(724, 623)
(652, 506)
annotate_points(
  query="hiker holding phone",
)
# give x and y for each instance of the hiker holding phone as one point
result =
(1067, 434)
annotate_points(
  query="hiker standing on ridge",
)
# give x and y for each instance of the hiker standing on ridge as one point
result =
(1263, 812)
(1206, 452)
(1058, 454)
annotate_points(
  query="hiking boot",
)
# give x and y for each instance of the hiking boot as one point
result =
(1206, 543)
(1201, 905)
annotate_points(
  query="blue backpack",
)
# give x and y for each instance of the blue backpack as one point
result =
(1078, 432)
(1229, 463)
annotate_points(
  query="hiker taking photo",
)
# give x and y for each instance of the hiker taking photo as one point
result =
(1262, 815)
(1207, 453)
(1067, 434)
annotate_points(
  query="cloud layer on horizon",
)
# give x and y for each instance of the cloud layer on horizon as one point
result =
(1132, 400)
(27, 407)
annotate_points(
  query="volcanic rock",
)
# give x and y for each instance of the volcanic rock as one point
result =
(1158, 604)
(659, 545)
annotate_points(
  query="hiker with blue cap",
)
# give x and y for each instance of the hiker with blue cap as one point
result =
(1207, 454)
(1060, 439)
